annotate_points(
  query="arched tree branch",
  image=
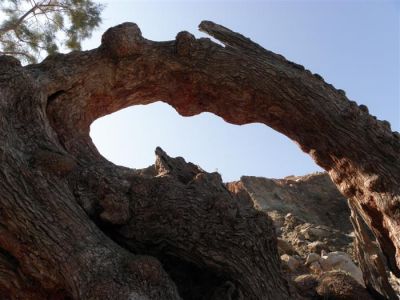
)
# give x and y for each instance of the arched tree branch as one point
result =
(359, 152)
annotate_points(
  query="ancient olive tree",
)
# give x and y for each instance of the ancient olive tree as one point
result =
(75, 225)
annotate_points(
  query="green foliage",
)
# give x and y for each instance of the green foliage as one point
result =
(31, 28)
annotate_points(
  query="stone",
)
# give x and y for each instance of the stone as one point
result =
(290, 221)
(334, 285)
(315, 267)
(277, 219)
(312, 257)
(313, 233)
(317, 247)
(284, 247)
(306, 285)
(341, 261)
(341, 286)
(292, 263)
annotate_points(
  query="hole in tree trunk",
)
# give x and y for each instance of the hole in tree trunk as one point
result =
(135, 132)
(192, 282)
(130, 136)
(54, 96)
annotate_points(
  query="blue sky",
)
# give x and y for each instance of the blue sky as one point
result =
(353, 44)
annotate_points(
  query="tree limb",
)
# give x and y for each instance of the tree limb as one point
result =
(241, 83)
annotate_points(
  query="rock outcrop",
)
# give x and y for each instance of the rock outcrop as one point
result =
(312, 198)
(315, 236)
(331, 285)
(308, 212)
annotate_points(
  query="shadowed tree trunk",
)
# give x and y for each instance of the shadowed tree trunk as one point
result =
(370, 258)
(75, 225)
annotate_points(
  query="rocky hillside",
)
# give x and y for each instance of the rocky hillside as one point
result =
(311, 198)
(315, 235)
(308, 212)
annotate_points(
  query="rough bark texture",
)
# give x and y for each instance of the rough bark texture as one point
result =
(370, 259)
(74, 225)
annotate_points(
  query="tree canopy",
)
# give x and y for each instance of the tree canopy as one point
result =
(32, 28)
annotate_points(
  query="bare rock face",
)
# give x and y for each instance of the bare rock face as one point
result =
(341, 286)
(332, 285)
(315, 235)
(290, 262)
(312, 198)
(341, 261)
(308, 211)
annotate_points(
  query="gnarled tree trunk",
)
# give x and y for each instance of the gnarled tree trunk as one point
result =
(74, 225)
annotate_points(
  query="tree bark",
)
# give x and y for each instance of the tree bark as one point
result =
(75, 225)
(370, 259)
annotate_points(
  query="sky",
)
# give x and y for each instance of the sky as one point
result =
(354, 45)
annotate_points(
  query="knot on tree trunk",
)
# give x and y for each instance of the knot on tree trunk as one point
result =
(184, 43)
(123, 40)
